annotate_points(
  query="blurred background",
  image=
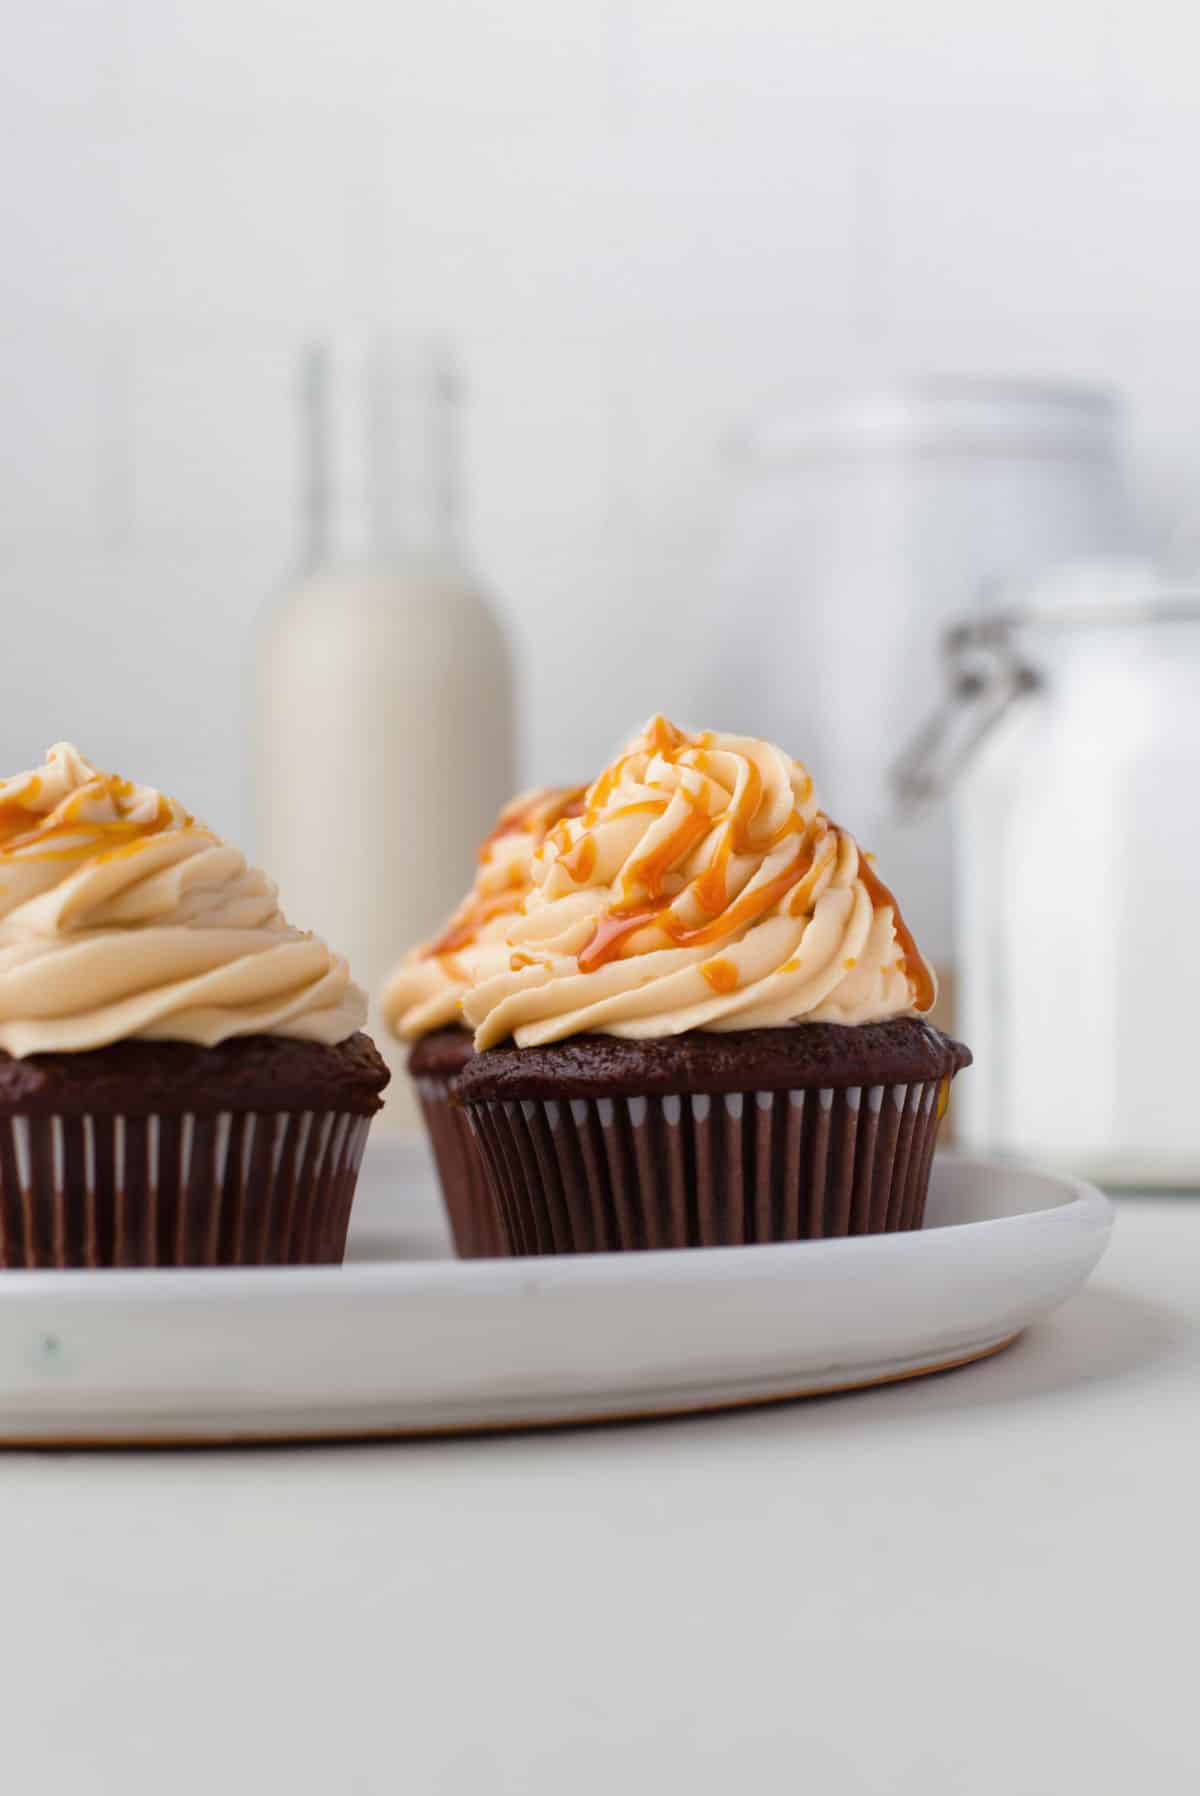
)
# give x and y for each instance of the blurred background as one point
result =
(728, 356)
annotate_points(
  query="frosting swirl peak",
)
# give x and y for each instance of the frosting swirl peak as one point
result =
(426, 990)
(121, 916)
(701, 887)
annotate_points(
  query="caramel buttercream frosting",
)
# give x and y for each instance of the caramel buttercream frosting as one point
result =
(123, 917)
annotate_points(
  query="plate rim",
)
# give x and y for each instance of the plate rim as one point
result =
(1080, 1206)
(200, 1395)
(365, 1434)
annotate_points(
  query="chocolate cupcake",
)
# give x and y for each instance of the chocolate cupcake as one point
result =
(183, 1080)
(709, 1029)
(422, 1004)
(434, 1064)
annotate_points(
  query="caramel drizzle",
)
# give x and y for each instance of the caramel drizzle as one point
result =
(615, 925)
(651, 869)
(537, 815)
(911, 960)
(600, 793)
(461, 934)
(709, 888)
(824, 846)
(722, 975)
(14, 817)
(65, 834)
(525, 815)
(580, 861)
(642, 904)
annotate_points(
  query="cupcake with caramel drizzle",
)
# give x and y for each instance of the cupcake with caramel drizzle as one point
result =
(703, 1020)
(183, 1074)
(698, 887)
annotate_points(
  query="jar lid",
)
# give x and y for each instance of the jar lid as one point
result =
(957, 416)
(1083, 594)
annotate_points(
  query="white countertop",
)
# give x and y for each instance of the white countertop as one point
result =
(982, 1582)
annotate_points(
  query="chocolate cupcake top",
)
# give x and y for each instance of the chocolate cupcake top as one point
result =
(901, 1052)
(425, 992)
(698, 886)
(122, 917)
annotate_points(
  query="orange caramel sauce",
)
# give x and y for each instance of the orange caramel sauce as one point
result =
(722, 975)
(540, 814)
(580, 862)
(519, 816)
(600, 793)
(664, 736)
(615, 925)
(15, 813)
(914, 966)
(746, 908)
(14, 819)
(746, 809)
(642, 807)
(651, 868)
(611, 929)
(66, 833)
(710, 890)
(818, 859)
(742, 831)
(463, 933)
(663, 740)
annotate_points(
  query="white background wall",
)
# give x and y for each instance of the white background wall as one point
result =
(636, 217)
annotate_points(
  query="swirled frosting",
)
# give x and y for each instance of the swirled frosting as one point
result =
(121, 916)
(700, 887)
(426, 990)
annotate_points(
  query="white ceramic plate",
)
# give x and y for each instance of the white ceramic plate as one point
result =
(404, 1340)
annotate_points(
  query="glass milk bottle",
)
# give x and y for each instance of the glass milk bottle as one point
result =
(384, 713)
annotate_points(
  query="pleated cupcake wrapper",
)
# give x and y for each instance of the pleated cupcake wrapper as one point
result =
(229, 1189)
(474, 1221)
(596, 1175)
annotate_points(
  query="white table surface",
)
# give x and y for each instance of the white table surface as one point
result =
(983, 1582)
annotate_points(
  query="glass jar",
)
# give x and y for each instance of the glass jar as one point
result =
(866, 520)
(1071, 741)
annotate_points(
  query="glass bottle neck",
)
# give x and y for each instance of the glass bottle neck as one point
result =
(380, 452)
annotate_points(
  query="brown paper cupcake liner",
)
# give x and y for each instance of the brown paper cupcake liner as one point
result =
(474, 1222)
(228, 1189)
(593, 1175)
